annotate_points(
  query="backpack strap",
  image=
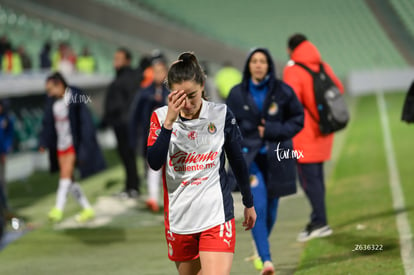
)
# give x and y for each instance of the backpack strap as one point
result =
(313, 74)
(306, 68)
(322, 68)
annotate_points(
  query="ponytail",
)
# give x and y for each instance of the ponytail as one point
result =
(186, 68)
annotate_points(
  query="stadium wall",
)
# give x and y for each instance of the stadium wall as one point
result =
(380, 80)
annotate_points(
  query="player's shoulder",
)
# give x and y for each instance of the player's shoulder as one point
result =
(222, 113)
(161, 110)
(75, 91)
(216, 108)
(214, 105)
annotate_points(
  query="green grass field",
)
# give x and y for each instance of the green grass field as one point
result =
(359, 208)
(359, 197)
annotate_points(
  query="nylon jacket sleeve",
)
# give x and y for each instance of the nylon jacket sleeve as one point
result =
(113, 103)
(234, 154)
(134, 125)
(45, 135)
(89, 155)
(279, 131)
(86, 126)
(9, 133)
(158, 143)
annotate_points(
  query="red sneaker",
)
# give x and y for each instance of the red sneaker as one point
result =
(268, 268)
(153, 205)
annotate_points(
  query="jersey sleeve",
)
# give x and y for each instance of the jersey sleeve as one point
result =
(232, 146)
(155, 129)
(158, 143)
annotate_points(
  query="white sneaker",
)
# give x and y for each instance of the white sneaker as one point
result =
(268, 268)
(312, 232)
(304, 234)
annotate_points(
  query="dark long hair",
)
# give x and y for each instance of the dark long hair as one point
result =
(56, 78)
(186, 68)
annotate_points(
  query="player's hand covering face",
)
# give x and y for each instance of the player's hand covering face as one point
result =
(185, 99)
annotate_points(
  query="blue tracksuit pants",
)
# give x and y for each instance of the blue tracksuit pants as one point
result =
(266, 209)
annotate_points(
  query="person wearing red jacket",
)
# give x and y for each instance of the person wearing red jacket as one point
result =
(316, 147)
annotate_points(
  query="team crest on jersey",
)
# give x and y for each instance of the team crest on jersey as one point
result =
(212, 128)
(253, 181)
(273, 108)
(192, 135)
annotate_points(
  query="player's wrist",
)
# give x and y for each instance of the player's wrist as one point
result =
(168, 125)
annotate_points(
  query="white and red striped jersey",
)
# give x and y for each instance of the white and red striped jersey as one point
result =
(196, 195)
(62, 124)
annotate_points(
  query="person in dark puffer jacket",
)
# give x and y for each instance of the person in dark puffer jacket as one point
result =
(269, 115)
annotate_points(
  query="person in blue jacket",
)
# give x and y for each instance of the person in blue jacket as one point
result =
(145, 102)
(269, 115)
(69, 135)
(6, 143)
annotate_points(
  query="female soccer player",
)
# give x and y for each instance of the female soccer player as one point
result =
(69, 134)
(269, 115)
(189, 139)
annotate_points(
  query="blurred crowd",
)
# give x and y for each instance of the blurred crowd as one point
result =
(15, 60)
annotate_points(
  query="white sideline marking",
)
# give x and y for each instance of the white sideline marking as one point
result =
(406, 238)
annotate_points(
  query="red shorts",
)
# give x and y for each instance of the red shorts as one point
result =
(221, 238)
(68, 151)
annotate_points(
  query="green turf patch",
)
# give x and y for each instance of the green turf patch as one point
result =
(88, 251)
(123, 247)
(359, 206)
(132, 243)
(40, 188)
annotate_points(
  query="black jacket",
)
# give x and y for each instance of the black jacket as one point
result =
(142, 107)
(283, 115)
(45, 62)
(119, 97)
(89, 158)
(408, 110)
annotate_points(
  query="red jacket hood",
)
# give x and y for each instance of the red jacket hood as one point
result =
(306, 53)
